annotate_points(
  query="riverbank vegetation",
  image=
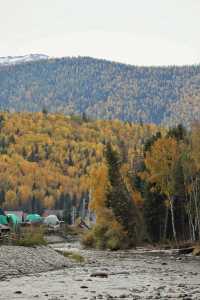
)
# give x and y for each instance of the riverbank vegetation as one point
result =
(72, 255)
(30, 237)
(156, 201)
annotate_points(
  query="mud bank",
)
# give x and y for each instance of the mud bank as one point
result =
(15, 261)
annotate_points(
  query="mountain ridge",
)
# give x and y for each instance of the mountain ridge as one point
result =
(103, 89)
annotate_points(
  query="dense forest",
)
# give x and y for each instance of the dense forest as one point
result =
(46, 159)
(154, 199)
(103, 90)
(141, 181)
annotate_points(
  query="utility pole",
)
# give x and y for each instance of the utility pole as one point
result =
(83, 209)
(73, 214)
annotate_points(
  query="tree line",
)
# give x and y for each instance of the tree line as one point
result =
(155, 199)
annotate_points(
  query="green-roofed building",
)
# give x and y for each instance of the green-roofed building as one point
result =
(3, 220)
(14, 219)
(33, 218)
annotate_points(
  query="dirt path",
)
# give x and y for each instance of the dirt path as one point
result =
(130, 275)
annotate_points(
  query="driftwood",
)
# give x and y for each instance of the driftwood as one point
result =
(99, 274)
(186, 250)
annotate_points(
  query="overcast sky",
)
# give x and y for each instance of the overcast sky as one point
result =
(140, 32)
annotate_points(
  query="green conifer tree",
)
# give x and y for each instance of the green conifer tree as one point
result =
(118, 197)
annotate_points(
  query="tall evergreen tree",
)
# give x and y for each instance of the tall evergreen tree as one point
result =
(118, 197)
(154, 213)
(179, 132)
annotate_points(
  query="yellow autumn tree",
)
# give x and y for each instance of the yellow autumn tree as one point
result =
(107, 232)
(161, 162)
(24, 193)
(11, 199)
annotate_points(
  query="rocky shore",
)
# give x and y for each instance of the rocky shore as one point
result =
(135, 274)
(15, 261)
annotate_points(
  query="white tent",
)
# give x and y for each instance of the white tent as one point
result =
(51, 220)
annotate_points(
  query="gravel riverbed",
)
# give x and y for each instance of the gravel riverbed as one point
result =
(131, 274)
(18, 261)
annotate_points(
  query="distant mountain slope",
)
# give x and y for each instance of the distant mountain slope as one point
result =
(102, 89)
(12, 60)
(187, 109)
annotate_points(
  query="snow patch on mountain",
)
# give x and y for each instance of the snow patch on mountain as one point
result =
(12, 60)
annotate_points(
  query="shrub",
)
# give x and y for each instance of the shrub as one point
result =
(77, 257)
(31, 238)
(106, 236)
(114, 244)
(115, 239)
(196, 251)
(72, 255)
(99, 233)
(88, 239)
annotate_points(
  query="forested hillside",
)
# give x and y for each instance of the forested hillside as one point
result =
(103, 90)
(46, 159)
(141, 181)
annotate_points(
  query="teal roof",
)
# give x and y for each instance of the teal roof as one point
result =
(14, 218)
(3, 220)
(33, 218)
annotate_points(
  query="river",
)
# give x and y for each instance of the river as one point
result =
(140, 274)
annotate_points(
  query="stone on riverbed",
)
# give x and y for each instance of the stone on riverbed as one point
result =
(99, 274)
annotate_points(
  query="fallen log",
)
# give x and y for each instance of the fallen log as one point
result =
(99, 274)
(186, 250)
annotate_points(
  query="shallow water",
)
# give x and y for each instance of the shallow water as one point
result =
(132, 274)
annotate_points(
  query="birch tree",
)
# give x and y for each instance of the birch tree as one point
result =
(161, 163)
